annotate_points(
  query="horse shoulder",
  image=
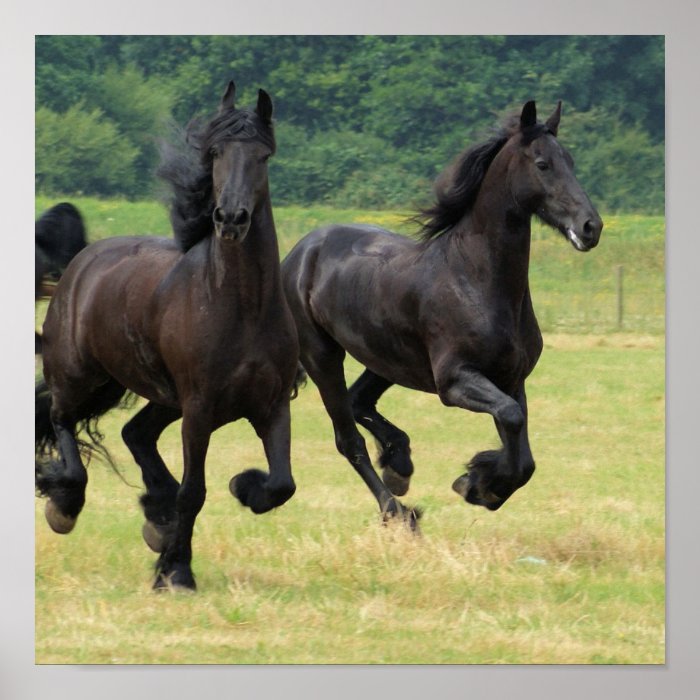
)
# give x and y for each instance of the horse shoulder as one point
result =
(465, 332)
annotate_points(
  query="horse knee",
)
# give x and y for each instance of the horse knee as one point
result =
(527, 469)
(190, 500)
(350, 445)
(511, 417)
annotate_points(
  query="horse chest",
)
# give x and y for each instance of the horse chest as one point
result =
(501, 338)
(508, 357)
(249, 390)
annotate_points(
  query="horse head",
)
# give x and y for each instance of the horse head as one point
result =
(543, 183)
(239, 145)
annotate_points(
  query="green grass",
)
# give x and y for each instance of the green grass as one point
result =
(572, 292)
(575, 293)
(570, 570)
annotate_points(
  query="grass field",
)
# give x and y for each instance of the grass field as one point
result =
(570, 570)
(572, 292)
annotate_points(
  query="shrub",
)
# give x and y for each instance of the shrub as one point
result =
(80, 151)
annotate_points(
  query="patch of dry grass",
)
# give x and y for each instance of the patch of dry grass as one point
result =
(570, 570)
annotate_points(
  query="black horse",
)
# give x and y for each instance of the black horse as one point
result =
(450, 314)
(198, 326)
(59, 235)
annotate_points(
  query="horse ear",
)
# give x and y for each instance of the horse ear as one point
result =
(528, 117)
(264, 108)
(227, 101)
(553, 122)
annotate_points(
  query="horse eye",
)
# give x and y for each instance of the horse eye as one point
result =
(542, 164)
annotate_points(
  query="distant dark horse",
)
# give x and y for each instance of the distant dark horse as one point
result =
(199, 327)
(59, 235)
(450, 314)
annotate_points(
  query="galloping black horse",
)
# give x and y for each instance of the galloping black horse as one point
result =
(59, 235)
(198, 326)
(450, 314)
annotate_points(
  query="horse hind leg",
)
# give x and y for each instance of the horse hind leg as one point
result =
(325, 367)
(141, 435)
(395, 455)
(256, 489)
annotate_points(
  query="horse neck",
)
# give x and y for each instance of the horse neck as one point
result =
(494, 240)
(251, 268)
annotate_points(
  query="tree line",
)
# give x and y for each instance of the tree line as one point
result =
(361, 121)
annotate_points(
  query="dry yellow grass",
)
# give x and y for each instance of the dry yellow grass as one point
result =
(571, 570)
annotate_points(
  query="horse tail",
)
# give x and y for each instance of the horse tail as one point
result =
(48, 463)
(299, 380)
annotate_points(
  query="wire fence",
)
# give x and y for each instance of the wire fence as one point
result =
(621, 301)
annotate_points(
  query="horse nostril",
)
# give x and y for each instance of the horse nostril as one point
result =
(593, 227)
(240, 217)
(218, 216)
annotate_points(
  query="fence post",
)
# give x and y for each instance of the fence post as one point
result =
(619, 276)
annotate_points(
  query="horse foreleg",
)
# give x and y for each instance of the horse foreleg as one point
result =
(492, 476)
(517, 446)
(395, 456)
(256, 489)
(174, 564)
(141, 435)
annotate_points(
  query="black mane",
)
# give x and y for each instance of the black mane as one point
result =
(186, 165)
(457, 187)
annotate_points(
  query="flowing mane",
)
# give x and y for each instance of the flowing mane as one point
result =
(457, 187)
(186, 165)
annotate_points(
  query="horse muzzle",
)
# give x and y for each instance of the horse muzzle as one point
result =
(231, 226)
(587, 235)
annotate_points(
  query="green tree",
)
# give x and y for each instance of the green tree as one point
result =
(66, 67)
(620, 166)
(372, 119)
(140, 107)
(80, 151)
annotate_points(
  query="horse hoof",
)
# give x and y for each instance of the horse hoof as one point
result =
(153, 537)
(465, 488)
(233, 487)
(412, 518)
(407, 516)
(461, 485)
(397, 484)
(59, 523)
(175, 582)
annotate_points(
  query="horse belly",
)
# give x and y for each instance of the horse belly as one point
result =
(362, 299)
(252, 390)
(391, 353)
